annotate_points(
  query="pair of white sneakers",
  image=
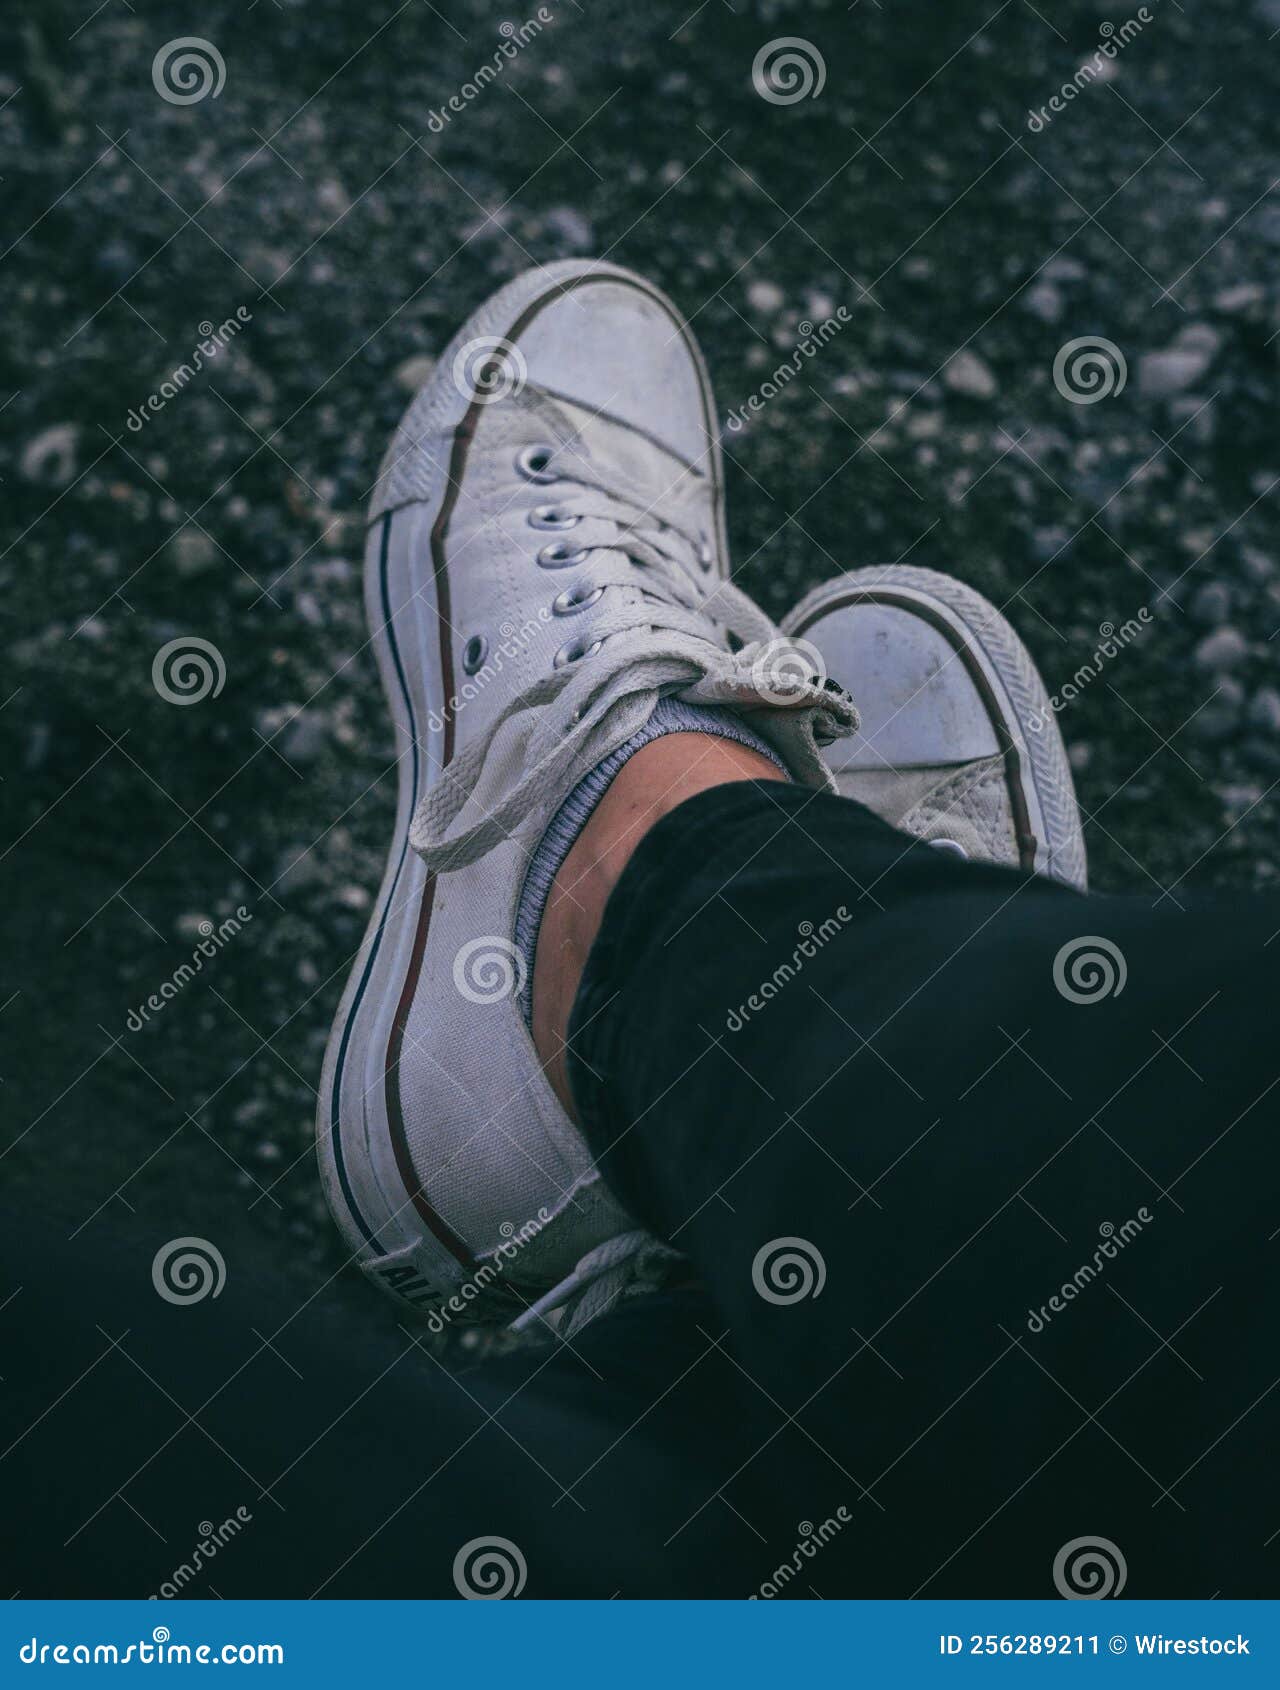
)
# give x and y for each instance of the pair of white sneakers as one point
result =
(546, 560)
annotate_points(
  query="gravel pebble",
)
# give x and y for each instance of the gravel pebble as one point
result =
(1241, 298)
(1264, 711)
(1217, 720)
(51, 457)
(1044, 301)
(1258, 566)
(969, 375)
(192, 552)
(305, 737)
(572, 230)
(1222, 651)
(414, 372)
(1211, 604)
(1181, 364)
(765, 297)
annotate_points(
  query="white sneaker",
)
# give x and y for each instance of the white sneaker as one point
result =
(958, 742)
(546, 558)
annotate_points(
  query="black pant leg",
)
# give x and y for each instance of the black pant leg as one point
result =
(1032, 1285)
(320, 1449)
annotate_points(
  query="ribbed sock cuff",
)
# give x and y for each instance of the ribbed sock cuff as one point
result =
(670, 716)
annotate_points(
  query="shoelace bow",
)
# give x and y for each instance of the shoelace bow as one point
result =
(659, 629)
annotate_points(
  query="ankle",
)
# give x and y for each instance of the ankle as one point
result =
(658, 778)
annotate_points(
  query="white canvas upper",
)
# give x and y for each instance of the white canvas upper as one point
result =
(546, 559)
(957, 740)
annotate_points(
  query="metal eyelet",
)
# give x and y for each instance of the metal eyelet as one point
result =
(558, 555)
(952, 845)
(705, 556)
(532, 461)
(573, 651)
(474, 654)
(575, 598)
(553, 516)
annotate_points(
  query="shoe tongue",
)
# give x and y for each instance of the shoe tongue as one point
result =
(890, 792)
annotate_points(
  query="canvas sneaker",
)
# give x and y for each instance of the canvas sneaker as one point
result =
(546, 560)
(958, 742)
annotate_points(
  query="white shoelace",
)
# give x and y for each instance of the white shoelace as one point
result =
(659, 629)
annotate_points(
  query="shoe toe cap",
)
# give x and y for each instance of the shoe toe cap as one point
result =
(917, 702)
(615, 346)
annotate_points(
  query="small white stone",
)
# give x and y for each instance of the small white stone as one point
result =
(765, 296)
(966, 373)
(51, 457)
(414, 373)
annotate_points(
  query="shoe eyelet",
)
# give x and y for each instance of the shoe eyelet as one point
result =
(553, 516)
(559, 555)
(952, 846)
(705, 556)
(575, 598)
(532, 461)
(573, 651)
(474, 654)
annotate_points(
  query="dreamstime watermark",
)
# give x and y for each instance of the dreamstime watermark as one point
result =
(187, 670)
(782, 668)
(1114, 1239)
(515, 37)
(213, 337)
(488, 664)
(474, 1287)
(155, 1650)
(212, 1538)
(212, 939)
(187, 70)
(1089, 969)
(1111, 643)
(1095, 69)
(788, 69)
(812, 939)
(489, 969)
(489, 368)
(788, 1270)
(489, 1569)
(811, 342)
(187, 1270)
(1089, 368)
(1089, 1568)
(812, 1541)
